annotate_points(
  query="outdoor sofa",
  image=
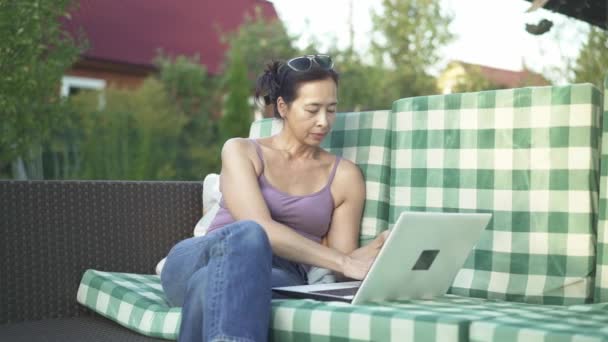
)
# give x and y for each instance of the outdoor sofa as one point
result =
(74, 251)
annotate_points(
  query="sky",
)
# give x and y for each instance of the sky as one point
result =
(488, 32)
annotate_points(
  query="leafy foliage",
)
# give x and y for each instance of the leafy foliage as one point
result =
(362, 86)
(34, 53)
(133, 137)
(259, 42)
(237, 114)
(162, 130)
(592, 62)
(411, 33)
(408, 35)
(173, 126)
(197, 96)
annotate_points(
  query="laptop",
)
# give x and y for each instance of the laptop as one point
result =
(419, 260)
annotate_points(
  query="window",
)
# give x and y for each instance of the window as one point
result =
(72, 85)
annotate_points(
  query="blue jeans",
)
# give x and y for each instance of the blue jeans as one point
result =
(223, 283)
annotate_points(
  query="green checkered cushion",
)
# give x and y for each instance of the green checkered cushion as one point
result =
(601, 275)
(442, 319)
(529, 156)
(575, 324)
(138, 303)
(363, 138)
(134, 301)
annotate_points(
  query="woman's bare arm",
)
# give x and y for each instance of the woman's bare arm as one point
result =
(242, 195)
(349, 190)
(345, 228)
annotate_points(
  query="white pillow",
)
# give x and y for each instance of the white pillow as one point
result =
(211, 205)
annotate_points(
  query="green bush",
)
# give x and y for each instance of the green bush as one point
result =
(197, 96)
(164, 130)
(237, 113)
(134, 137)
(34, 54)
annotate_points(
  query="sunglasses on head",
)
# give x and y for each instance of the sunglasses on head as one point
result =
(304, 63)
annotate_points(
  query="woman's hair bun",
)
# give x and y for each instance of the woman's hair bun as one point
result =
(282, 82)
(268, 84)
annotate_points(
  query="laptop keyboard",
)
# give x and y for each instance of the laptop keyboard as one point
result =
(348, 291)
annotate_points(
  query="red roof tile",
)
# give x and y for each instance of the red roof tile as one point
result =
(132, 31)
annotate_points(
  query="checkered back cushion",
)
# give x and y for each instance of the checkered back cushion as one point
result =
(601, 275)
(528, 156)
(363, 138)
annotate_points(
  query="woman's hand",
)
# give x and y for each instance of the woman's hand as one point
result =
(358, 262)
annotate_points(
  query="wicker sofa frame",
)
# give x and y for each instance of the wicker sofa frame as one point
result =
(52, 231)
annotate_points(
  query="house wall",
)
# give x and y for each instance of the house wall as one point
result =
(116, 75)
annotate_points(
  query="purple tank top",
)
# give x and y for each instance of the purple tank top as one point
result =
(309, 215)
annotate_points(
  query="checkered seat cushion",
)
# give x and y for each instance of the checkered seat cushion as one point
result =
(528, 156)
(134, 301)
(363, 138)
(574, 324)
(138, 303)
(601, 275)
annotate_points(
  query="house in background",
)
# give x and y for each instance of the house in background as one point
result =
(125, 36)
(460, 76)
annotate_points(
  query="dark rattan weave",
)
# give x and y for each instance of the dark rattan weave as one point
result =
(52, 231)
(79, 329)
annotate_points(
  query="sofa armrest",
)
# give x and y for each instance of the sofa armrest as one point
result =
(52, 231)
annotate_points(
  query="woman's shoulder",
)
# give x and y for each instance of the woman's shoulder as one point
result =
(348, 181)
(237, 148)
(236, 145)
(237, 152)
(346, 169)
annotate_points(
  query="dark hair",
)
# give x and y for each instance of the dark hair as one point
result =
(281, 81)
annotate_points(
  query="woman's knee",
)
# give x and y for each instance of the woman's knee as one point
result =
(252, 231)
(250, 235)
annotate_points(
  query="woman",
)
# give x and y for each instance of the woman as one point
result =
(287, 204)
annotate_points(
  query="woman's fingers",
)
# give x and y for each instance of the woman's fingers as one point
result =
(360, 260)
(357, 268)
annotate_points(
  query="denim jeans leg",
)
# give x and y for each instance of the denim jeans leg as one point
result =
(286, 273)
(223, 283)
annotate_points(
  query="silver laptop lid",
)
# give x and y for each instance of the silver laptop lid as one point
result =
(421, 255)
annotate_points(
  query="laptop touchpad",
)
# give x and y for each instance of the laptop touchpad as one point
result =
(425, 260)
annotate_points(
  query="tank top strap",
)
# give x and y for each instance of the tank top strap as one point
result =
(258, 149)
(333, 171)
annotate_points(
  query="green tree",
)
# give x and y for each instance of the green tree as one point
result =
(410, 34)
(34, 53)
(592, 62)
(237, 115)
(165, 129)
(257, 42)
(260, 41)
(136, 135)
(361, 84)
(197, 95)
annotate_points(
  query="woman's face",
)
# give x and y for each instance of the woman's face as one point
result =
(313, 112)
